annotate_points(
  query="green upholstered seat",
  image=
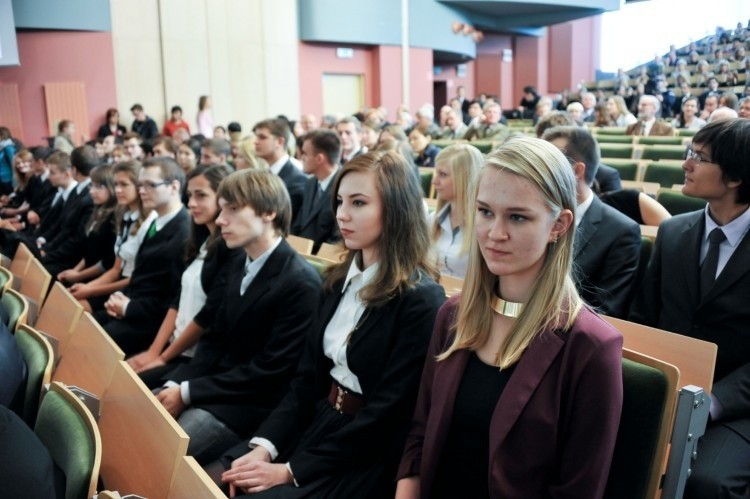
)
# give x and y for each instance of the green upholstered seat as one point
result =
(665, 175)
(645, 391)
(15, 306)
(318, 265)
(611, 130)
(676, 202)
(425, 177)
(656, 152)
(6, 279)
(38, 356)
(614, 139)
(684, 132)
(627, 168)
(484, 146)
(616, 151)
(70, 435)
(661, 141)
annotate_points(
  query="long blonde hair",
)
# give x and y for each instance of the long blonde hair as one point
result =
(464, 162)
(554, 301)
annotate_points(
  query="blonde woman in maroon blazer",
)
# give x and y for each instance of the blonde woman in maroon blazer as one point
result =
(522, 389)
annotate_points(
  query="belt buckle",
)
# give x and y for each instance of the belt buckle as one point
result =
(340, 394)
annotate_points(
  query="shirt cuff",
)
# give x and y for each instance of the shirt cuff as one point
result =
(266, 444)
(125, 307)
(185, 392)
(289, 468)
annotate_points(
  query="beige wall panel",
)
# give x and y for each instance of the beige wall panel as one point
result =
(185, 33)
(281, 66)
(137, 56)
(217, 21)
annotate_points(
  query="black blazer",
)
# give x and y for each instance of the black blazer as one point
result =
(66, 245)
(387, 354)
(42, 195)
(213, 281)
(670, 299)
(294, 180)
(99, 245)
(243, 365)
(104, 131)
(158, 267)
(316, 219)
(607, 250)
(608, 179)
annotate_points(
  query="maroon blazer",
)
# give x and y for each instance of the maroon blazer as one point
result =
(554, 428)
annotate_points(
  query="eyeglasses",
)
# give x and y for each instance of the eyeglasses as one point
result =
(149, 186)
(696, 157)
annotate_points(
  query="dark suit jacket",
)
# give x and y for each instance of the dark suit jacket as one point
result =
(553, 430)
(99, 245)
(670, 299)
(316, 219)
(386, 352)
(66, 247)
(608, 179)
(607, 250)
(659, 128)
(294, 180)
(243, 365)
(42, 195)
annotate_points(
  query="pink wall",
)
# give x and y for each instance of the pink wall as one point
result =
(493, 75)
(574, 52)
(453, 81)
(420, 78)
(531, 65)
(315, 60)
(62, 56)
(387, 76)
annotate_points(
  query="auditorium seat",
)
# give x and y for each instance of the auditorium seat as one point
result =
(59, 316)
(425, 178)
(624, 151)
(664, 174)
(301, 245)
(627, 168)
(6, 279)
(332, 252)
(676, 202)
(21, 261)
(657, 152)
(17, 308)
(191, 481)
(38, 356)
(35, 286)
(614, 139)
(660, 141)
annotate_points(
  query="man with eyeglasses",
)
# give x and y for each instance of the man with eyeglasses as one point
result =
(132, 317)
(698, 284)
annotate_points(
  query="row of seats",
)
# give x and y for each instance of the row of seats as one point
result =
(135, 446)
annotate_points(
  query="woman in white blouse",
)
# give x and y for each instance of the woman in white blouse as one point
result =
(618, 111)
(455, 168)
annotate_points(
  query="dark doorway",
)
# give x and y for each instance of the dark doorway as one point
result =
(440, 95)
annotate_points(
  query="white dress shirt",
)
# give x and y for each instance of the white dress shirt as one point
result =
(734, 230)
(452, 260)
(192, 297)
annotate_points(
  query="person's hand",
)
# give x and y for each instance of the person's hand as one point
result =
(257, 476)
(157, 362)
(242, 464)
(69, 276)
(137, 362)
(408, 488)
(115, 305)
(171, 399)
(80, 291)
(32, 217)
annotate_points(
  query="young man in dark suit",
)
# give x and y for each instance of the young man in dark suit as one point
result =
(608, 243)
(321, 150)
(244, 363)
(132, 317)
(270, 145)
(698, 284)
(63, 246)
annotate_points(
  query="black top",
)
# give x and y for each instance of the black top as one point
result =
(104, 131)
(463, 470)
(427, 158)
(626, 202)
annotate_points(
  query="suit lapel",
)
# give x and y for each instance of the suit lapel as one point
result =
(318, 203)
(690, 243)
(737, 266)
(588, 226)
(529, 372)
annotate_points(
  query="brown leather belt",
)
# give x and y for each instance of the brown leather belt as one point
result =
(344, 401)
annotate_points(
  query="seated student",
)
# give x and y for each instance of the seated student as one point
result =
(132, 225)
(698, 283)
(18, 201)
(243, 365)
(42, 195)
(455, 168)
(12, 366)
(522, 391)
(321, 150)
(608, 244)
(132, 317)
(215, 152)
(339, 432)
(202, 284)
(425, 151)
(99, 244)
(62, 247)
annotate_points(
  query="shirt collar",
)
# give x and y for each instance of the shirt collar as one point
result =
(366, 275)
(66, 192)
(583, 207)
(254, 266)
(83, 185)
(165, 219)
(326, 181)
(277, 166)
(734, 230)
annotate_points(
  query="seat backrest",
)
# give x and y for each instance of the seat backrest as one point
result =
(694, 358)
(628, 169)
(332, 252)
(425, 177)
(21, 261)
(36, 282)
(301, 245)
(656, 152)
(143, 445)
(59, 316)
(676, 202)
(68, 430)
(6, 279)
(614, 139)
(664, 141)
(17, 308)
(191, 481)
(649, 398)
(615, 151)
(38, 356)
(319, 264)
(90, 359)
(665, 174)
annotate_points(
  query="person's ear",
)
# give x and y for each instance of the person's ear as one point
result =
(562, 224)
(579, 169)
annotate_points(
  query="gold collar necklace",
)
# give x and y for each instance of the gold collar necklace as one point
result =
(506, 308)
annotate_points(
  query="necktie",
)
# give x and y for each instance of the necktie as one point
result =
(247, 278)
(711, 262)
(152, 230)
(318, 194)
